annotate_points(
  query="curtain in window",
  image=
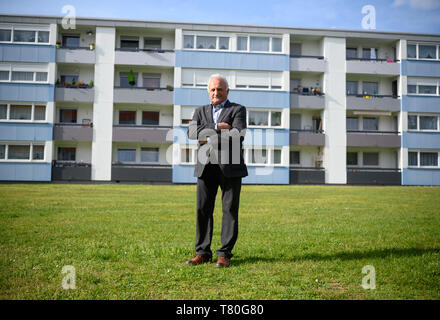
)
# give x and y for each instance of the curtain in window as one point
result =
(150, 118)
(20, 112)
(3, 111)
(259, 156)
(259, 43)
(242, 43)
(67, 154)
(427, 52)
(258, 118)
(185, 155)
(352, 123)
(370, 88)
(40, 113)
(427, 89)
(352, 87)
(275, 118)
(276, 45)
(43, 36)
(22, 76)
(276, 156)
(127, 117)
(38, 152)
(151, 81)
(429, 159)
(127, 155)
(188, 42)
(4, 75)
(412, 122)
(223, 43)
(370, 123)
(412, 89)
(68, 115)
(411, 51)
(204, 42)
(428, 123)
(371, 159)
(41, 76)
(150, 155)
(5, 35)
(412, 159)
(24, 36)
(19, 152)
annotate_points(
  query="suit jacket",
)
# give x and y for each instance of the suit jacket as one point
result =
(230, 156)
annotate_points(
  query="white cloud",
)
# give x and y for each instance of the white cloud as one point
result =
(418, 4)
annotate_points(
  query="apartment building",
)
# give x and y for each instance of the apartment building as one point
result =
(111, 100)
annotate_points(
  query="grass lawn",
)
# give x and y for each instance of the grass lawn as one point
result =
(295, 242)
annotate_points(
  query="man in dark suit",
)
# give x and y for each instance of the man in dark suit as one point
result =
(220, 128)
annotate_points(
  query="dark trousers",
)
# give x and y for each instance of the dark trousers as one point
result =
(207, 186)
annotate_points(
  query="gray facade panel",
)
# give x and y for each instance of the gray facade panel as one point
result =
(141, 134)
(72, 173)
(373, 104)
(373, 67)
(307, 64)
(374, 178)
(306, 176)
(143, 58)
(299, 101)
(142, 95)
(142, 174)
(373, 140)
(74, 94)
(76, 56)
(307, 138)
(72, 133)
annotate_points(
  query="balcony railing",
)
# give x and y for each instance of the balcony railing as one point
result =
(374, 60)
(144, 50)
(306, 56)
(369, 96)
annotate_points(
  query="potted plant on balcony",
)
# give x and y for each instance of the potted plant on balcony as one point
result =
(58, 44)
(170, 87)
(92, 46)
(91, 84)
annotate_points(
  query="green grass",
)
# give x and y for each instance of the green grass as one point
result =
(295, 242)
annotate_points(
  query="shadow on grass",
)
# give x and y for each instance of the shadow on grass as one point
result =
(343, 255)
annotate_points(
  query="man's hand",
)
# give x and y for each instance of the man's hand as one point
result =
(223, 126)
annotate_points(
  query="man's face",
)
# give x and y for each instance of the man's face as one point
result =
(217, 91)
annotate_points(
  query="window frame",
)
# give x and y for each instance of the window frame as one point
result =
(419, 151)
(247, 155)
(417, 44)
(31, 151)
(33, 106)
(418, 115)
(269, 118)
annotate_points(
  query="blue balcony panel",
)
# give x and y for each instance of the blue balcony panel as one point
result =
(17, 171)
(420, 104)
(416, 68)
(247, 98)
(26, 92)
(421, 140)
(257, 175)
(232, 60)
(15, 131)
(425, 177)
(27, 53)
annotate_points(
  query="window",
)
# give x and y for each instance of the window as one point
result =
(428, 122)
(259, 43)
(412, 89)
(127, 117)
(350, 53)
(352, 123)
(258, 156)
(3, 111)
(130, 43)
(40, 113)
(2, 151)
(242, 43)
(123, 80)
(275, 118)
(66, 154)
(4, 75)
(18, 152)
(370, 88)
(276, 156)
(71, 41)
(352, 158)
(188, 155)
(149, 154)
(412, 122)
(68, 115)
(413, 159)
(186, 114)
(22, 76)
(19, 112)
(276, 45)
(151, 80)
(24, 36)
(371, 158)
(294, 157)
(206, 42)
(295, 121)
(150, 118)
(5, 35)
(369, 53)
(152, 43)
(41, 76)
(412, 51)
(371, 124)
(188, 42)
(127, 155)
(258, 118)
(223, 43)
(43, 36)
(352, 87)
(427, 89)
(37, 152)
(427, 52)
(296, 49)
(428, 159)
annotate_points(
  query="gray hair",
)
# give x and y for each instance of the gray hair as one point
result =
(218, 76)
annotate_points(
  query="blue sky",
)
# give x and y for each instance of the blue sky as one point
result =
(420, 16)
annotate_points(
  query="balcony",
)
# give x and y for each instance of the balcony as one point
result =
(307, 137)
(307, 63)
(306, 175)
(373, 102)
(81, 55)
(374, 176)
(142, 173)
(162, 96)
(71, 171)
(72, 132)
(386, 67)
(307, 101)
(84, 93)
(144, 57)
(141, 133)
(382, 139)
